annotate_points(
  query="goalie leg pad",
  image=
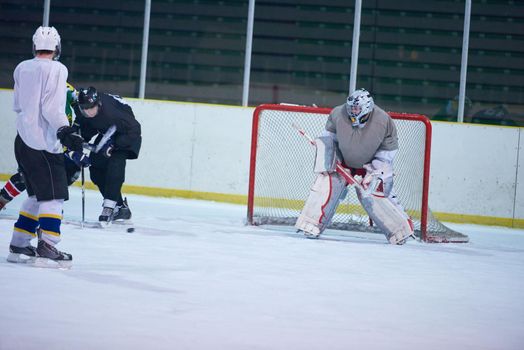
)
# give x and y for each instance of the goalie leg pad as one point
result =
(321, 204)
(389, 193)
(388, 215)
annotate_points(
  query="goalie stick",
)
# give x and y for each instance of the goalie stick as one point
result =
(380, 209)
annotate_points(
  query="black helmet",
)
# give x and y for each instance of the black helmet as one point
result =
(88, 98)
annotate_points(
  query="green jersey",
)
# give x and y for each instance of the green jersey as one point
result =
(70, 101)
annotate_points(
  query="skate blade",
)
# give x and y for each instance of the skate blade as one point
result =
(123, 222)
(105, 224)
(20, 258)
(39, 261)
(311, 235)
(53, 264)
(402, 240)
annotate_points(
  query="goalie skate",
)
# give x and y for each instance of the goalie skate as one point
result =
(310, 235)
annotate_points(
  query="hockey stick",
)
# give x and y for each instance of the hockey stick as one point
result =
(83, 198)
(94, 148)
(107, 135)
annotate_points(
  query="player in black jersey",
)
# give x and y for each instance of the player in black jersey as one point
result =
(98, 113)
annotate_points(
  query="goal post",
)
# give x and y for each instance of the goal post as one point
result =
(281, 172)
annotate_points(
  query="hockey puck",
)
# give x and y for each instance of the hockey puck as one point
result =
(131, 230)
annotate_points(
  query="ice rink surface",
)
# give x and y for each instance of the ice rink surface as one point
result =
(193, 276)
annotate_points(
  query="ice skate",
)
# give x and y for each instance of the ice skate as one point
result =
(108, 212)
(123, 213)
(49, 256)
(23, 255)
(106, 218)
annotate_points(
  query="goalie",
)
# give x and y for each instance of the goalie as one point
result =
(361, 137)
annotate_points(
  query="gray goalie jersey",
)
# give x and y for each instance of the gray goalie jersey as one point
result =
(358, 146)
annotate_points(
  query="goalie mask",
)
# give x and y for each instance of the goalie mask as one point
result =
(359, 104)
(47, 39)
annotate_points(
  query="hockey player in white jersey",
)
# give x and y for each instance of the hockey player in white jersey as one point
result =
(39, 102)
(363, 138)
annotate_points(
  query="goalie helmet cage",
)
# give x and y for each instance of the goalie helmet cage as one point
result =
(281, 172)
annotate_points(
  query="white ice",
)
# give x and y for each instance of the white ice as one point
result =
(193, 276)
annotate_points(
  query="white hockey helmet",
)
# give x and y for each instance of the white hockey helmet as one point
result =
(359, 104)
(47, 38)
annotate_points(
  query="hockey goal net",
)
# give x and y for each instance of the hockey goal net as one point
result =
(281, 172)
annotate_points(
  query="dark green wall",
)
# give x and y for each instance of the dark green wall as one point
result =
(410, 51)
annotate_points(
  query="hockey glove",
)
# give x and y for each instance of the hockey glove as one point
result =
(107, 149)
(377, 172)
(383, 168)
(70, 139)
(79, 158)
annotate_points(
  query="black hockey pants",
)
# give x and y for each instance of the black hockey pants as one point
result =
(109, 174)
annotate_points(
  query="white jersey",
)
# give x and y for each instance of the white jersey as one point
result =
(39, 102)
